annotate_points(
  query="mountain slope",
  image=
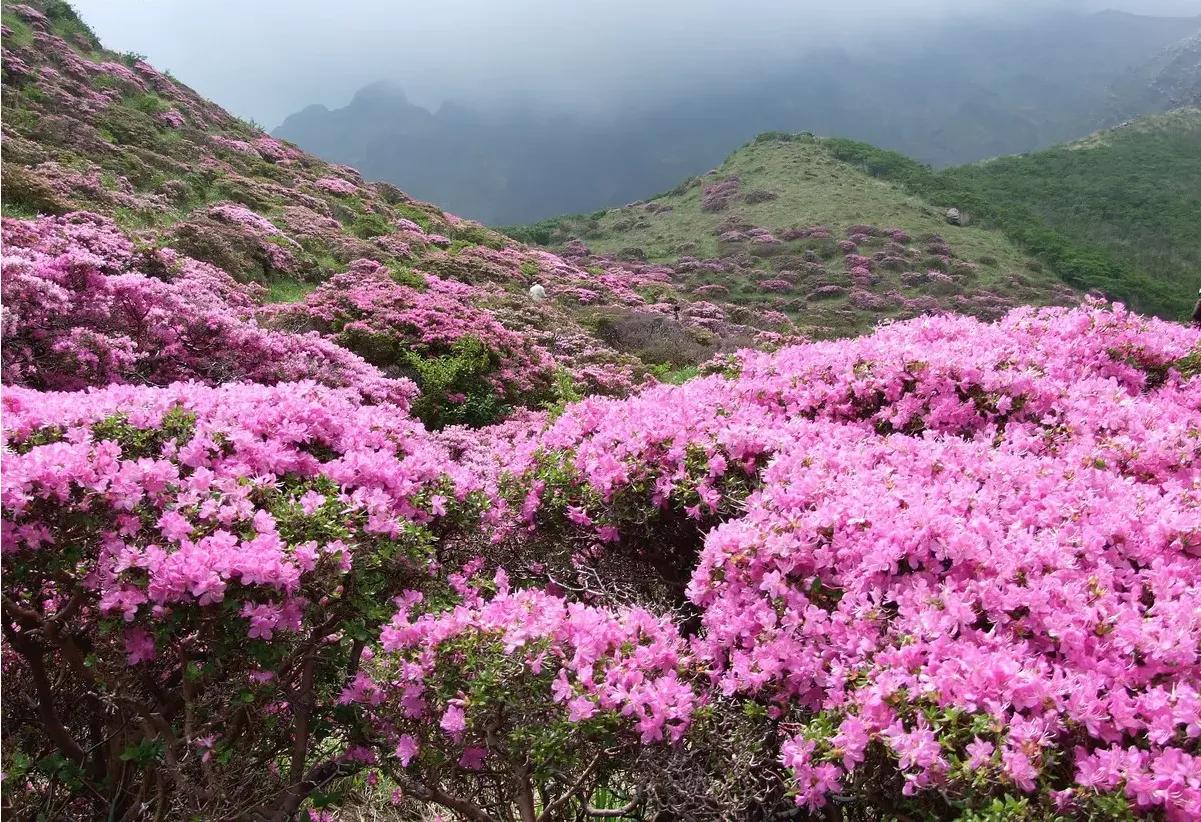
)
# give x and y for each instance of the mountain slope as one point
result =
(201, 195)
(1171, 80)
(1133, 191)
(823, 218)
(1117, 212)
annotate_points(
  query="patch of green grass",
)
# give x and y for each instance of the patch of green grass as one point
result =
(133, 219)
(288, 291)
(17, 209)
(147, 103)
(469, 234)
(67, 24)
(415, 214)
(675, 376)
(366, 226)
(409, 277)
(22, 34)
(33, 94)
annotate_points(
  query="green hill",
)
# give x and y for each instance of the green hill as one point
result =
(1132, 192)
(786, 185)
(1118, 212)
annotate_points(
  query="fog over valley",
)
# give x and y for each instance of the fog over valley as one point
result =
(515, 112)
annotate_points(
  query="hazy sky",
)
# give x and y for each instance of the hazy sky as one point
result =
(264, 59)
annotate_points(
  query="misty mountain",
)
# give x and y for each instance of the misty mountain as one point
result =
(1172, 79)
(955, 94)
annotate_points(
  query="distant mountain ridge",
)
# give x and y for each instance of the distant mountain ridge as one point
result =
(1171, 80)
(961, 94)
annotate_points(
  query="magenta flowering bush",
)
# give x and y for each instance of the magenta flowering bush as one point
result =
(718, 195)
(1023, 652)
(959, 560)
(487, 689)
(336, 185)
(400, 326)
(949, 375)
(211, 561)
(82, 307)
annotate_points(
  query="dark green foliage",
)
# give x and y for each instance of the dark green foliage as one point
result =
(136, 442)
(129, 126)
(542, 233)
(67, 24)
(1189, 366)
(1135, 193)
(366, 226)
(455, 387)
(149, 103)
(783, 137)
(1079, 210)
(469, 235)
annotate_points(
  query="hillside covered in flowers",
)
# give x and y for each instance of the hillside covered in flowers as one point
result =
(311, 511)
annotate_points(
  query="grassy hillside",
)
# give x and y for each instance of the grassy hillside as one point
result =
(785, 183)
(1133, 191)
(86, 129)
(1118, 212)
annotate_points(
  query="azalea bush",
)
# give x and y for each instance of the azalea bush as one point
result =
(84, 307)
(192, 575)
(520, 698)
(467, 365)
(949, 568)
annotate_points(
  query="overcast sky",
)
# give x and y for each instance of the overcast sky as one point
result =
(265, 59)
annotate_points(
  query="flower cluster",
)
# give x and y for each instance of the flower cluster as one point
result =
(717, 196)
(82, 308)
(368, 311)
(162, 474)
(974, 547)
(335, 185)
(217, 550)
(587, 661)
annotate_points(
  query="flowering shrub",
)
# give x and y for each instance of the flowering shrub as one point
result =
(336, 185)
(78, 312)
(461, 357)
(540, 686)
(965, 655)
(211, 560)
(717, 196)
(240, 146)
(817, 598)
